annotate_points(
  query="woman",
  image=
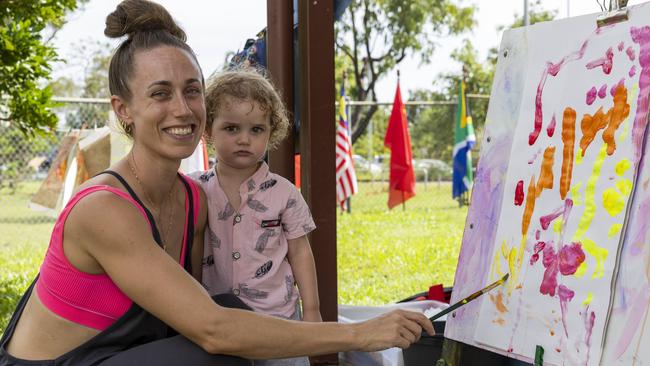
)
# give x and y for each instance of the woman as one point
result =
(111, 285)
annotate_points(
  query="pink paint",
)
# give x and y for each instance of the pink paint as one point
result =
(537, 234)
(589, 319)
(549, 282)
(621, 46)
(539, 246)
(641, 36)
(550, 130)
(605, 62)
(545, 221)
(551, 69)
(632, 71)
(602, 92)
(565, 295)
(532, 160)
(612, 90)
(591, 95)
(519, 193)
(630, 53)
(570, 258)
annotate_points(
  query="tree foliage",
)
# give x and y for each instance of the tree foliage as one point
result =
(376, 35)
(25, 61)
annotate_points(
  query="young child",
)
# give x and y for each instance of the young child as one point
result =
(256, 244)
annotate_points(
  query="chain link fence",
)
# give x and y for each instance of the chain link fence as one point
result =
(25, 162)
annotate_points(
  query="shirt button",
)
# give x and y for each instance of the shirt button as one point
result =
(236, 255)
(236, 291)
(237, 218)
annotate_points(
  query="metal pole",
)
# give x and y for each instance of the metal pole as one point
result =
(526, 19)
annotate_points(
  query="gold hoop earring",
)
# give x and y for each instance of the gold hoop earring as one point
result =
(127, 127)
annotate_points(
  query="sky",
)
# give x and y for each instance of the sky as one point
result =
(215, 28)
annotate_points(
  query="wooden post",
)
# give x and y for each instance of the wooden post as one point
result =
(279, 56)
(317, 134)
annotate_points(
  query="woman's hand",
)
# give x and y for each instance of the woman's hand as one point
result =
(399, 328)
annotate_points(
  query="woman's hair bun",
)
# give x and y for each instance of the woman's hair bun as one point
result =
(133, 16)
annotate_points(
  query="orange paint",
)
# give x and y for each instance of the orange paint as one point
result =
(545, 180)
(568, 139)
(617, 113)
(552, 333)
(498, 302)
(590, 125)
(499, 321)
(531, 197)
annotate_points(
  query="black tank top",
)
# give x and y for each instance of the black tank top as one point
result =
(134, 328)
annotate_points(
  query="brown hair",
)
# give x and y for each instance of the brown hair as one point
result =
(247, 84)
(148, 25)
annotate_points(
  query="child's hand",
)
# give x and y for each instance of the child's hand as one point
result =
(312, 316)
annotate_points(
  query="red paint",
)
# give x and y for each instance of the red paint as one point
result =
(602, 92)
(605, 62)
(551, 69)
(565, 295)
(612, 90)
(591, 95)
(519, 193)
(566, 262)
(549, 282)
(630, 53)
(537, 234)
(550, 130)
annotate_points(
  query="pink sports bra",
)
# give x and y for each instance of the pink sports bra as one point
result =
(92, 300)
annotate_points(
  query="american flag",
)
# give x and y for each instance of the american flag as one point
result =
(346, 178)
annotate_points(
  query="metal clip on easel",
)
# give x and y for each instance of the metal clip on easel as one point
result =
(617, 13)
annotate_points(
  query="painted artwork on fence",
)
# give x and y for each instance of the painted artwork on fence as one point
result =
(566, 191)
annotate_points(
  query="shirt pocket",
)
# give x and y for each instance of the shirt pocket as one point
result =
(267, 232)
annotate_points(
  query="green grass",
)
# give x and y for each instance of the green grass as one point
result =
(22, 246)
(383, 256)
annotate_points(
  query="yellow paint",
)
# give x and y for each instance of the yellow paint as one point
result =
(621, 167)
(590, 297)
(624, 186)
(590, 193)
(513, 268)
(613, 201)
(631, 95)
(613, 230)
(578, 156)
(557, 225)
(600, 255)
(575, 194)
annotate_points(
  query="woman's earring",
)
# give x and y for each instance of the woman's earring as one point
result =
(127, 127)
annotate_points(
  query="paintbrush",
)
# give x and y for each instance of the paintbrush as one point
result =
(470, 297)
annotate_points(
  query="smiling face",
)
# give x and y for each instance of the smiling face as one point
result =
(167, 109)
(240, 134)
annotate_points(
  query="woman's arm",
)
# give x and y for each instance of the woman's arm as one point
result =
(303, 267)
(123, 246)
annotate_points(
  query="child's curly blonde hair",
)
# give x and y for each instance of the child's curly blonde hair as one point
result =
(247, 84)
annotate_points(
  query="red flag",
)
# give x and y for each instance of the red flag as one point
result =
(402, 178)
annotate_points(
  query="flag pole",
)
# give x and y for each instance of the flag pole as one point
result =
(347, 113)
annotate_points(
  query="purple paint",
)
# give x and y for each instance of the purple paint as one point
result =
(605, 62)
(636, 312)
(621, 46)
(641, 36)
(630, 53)
(591, 95)
(550, 130)
(632, 71)
(602, 92)
(565, 295)
(551, 69)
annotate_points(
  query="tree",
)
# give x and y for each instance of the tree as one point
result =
(25, 60)
(95, 57)
(376, 35)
